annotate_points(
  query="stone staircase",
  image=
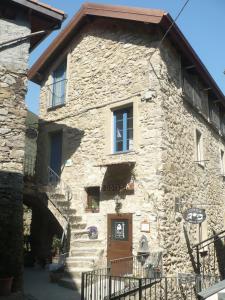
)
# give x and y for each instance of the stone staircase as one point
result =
(84, 253)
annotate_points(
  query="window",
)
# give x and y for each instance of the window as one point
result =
(93, 198)
(123, 129)
(199, 148)
(58, 88)
(222, 161)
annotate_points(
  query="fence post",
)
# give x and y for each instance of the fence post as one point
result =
(110, 286)
(82, 286)
(140, 288)
(166, 292)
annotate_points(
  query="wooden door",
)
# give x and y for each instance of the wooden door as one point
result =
(120, 243)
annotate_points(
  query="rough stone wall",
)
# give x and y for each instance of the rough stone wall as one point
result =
(183, 178)
(13, 68)
(107, 68)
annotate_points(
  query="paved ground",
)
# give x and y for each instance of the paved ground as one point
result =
(38, 287)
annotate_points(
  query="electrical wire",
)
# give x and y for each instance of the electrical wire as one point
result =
(170, 27)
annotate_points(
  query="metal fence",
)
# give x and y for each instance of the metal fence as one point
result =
(210, 255)
(101, 285)
(140, 266)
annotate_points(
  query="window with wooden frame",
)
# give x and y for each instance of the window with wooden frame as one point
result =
(123, 129)
(93, 199)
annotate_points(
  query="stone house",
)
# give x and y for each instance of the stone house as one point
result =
(133, 133)
(23, 25)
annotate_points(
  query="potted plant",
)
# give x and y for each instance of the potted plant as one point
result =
(56, 247)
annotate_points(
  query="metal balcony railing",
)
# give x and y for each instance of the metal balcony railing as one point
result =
(56, 93)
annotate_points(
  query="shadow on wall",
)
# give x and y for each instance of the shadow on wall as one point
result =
(44, 226)
(115, 181)
(71, 140)
(11, 227)
(218, 248)
(220, 254)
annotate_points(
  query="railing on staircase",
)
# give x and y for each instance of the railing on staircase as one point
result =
(102, 285)
(58, 184)
(56, 187)
(210, 256)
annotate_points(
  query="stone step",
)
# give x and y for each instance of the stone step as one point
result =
(78, 226)
(70, 283)
(57, 196)
(85, 243)
(69, 211)
(87, 252)
(75, 219)
(79, 234)
(81, 258)
(63, 203)
(79, 264)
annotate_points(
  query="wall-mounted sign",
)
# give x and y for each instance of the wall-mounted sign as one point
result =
(195, 215)
(68, 163)
(145, 226)
(92, 232)
(118, 187)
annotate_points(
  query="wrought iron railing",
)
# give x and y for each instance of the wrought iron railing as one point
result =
(56, 93)
(29, 165)
(101, 285)
(210, 256)
(58, 185)
(141, 266)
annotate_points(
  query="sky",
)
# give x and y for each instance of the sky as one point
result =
(202, 22)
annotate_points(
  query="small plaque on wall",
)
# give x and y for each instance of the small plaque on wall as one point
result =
(68, 163)
(145, 226)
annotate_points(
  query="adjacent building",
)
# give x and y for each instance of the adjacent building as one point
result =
(23, 25)
(132, 134)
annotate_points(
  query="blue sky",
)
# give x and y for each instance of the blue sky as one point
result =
(202, 22)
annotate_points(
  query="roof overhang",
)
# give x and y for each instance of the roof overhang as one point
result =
(149, 16)
(42, 17)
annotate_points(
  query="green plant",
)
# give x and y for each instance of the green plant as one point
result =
(56, 244)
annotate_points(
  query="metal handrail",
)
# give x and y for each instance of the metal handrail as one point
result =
(209, 239)
(55, 180)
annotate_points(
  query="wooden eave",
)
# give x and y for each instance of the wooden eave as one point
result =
(42, 17)
(158, 17)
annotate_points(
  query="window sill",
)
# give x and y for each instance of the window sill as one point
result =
(90, 210)
(123, 152)
(55, 107)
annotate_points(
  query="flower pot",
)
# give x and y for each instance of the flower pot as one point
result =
(6, 286)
